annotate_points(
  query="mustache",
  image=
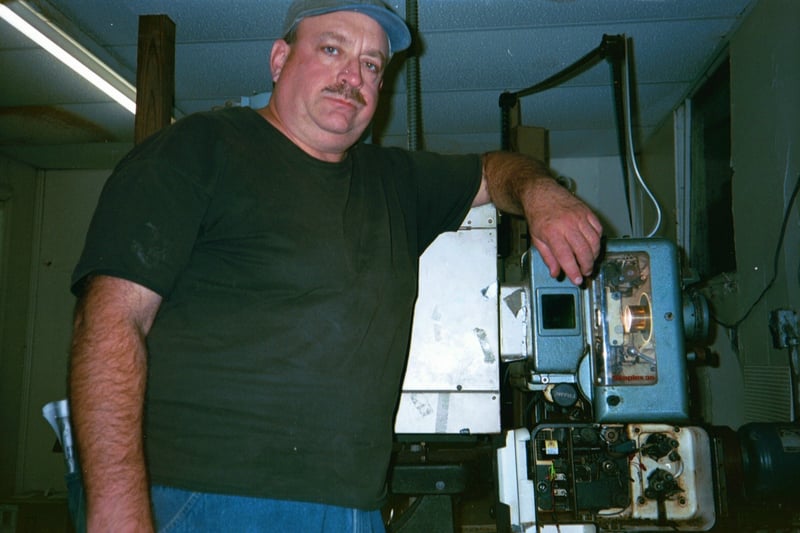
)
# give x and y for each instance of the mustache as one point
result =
(347, 92)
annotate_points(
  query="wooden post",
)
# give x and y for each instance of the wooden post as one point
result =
(155, 75)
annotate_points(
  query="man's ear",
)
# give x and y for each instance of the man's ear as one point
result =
(277, 58)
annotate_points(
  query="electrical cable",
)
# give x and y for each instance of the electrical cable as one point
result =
(614, 48)
(776, 257)
(629, 131)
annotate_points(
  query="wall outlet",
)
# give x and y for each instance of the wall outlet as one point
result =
(785, 329)
(8, 518)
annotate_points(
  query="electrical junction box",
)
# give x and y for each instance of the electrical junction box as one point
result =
(618, 477)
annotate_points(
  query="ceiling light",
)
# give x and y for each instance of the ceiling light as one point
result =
(47, 35)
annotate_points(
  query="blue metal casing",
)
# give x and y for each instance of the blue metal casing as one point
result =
(620, 337)
(659, 392)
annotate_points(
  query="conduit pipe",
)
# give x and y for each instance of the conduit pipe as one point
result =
(413, 98)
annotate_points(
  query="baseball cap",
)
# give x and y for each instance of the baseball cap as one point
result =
(394, 26)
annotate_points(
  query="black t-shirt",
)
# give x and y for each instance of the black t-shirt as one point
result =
(276, 357)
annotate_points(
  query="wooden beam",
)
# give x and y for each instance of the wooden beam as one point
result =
(155, 75)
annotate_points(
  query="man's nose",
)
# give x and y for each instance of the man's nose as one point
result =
(351, 74)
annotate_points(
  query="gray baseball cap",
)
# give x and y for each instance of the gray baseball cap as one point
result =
(394, 26)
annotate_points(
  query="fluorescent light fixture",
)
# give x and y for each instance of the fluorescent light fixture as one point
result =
(64, 48)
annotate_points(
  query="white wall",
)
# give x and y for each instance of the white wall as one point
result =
(599, 183)
(18, 189)
(751, 382)
(68, 201)
(765, 99)
(60, 210)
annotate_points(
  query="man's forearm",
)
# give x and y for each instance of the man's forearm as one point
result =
(563, 228)
(511, 177)
(107, 382)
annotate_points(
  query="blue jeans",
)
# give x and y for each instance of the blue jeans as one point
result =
(182, 511)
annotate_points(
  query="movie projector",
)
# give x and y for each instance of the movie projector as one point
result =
(607, 451)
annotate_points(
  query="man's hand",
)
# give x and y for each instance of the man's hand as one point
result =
(563, 228)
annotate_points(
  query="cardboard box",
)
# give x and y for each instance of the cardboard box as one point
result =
(531, 140)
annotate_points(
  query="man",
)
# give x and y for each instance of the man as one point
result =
(246, 290)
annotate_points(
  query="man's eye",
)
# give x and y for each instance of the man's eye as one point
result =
(375, 68)
(330, 50)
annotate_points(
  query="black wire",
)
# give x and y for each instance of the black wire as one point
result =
(775, 260)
